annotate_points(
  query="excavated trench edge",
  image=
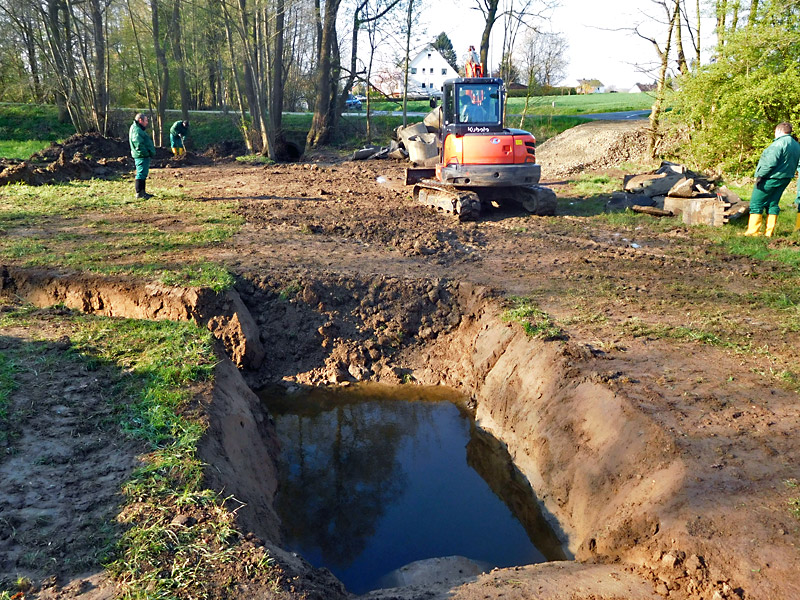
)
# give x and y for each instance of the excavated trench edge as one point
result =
(542, 399)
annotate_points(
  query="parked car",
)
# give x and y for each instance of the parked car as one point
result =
(352, 103)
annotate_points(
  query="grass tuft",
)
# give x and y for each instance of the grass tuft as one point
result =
(534, 321)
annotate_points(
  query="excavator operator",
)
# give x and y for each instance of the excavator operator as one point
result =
(469, 110)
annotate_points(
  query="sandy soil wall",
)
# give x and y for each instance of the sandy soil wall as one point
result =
(224, 314)
(601, 469)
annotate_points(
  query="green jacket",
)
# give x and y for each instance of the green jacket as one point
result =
(779, 160)
(179, 129)
(141, 143)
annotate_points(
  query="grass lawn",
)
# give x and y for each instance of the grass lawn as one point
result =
(97, 226)
(581, 104)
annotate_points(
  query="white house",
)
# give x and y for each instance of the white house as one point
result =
(426, 73)
(428, 70)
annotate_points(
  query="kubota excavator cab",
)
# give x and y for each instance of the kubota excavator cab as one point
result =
(477, 149)
(480, 160)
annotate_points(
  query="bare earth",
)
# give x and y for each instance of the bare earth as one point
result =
(723, 439)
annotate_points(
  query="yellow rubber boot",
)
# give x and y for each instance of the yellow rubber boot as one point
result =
(175, 152)
(797, 223)
(771, 220)
(754, 225)
(182, 151)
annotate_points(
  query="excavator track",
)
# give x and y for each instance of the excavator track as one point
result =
(441, 196)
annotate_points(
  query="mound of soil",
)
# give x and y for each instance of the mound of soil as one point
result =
(86, 156)
(226, 149)
(90, 145)
(596, 145)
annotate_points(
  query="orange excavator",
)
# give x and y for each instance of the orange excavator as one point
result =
(481, 161)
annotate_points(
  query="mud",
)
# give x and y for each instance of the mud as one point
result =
(662, 460)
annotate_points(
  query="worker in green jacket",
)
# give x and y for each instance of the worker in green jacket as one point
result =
(142, 150)
(776, 168)
(177, 135)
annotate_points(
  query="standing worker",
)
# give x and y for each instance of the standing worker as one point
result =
(776, 168)
(472, 66)
(142, 150)
(177, 135)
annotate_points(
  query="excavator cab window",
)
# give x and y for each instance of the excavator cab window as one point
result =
(478, 103)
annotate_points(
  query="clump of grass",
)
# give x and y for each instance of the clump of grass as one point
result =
(7, 385)
(255, 159)
(593, 185)
(534, 321)
(289, 290)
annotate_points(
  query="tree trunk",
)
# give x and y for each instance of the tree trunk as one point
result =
(682, 66)
(163, 78)
(491, 17)
(145, 77)
(177, 54)
(100, 83)
(655, 113)
(751, 20)
(277, 83)
(409, 16)
(322, 124)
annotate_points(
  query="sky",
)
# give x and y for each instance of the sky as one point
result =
(616, 58)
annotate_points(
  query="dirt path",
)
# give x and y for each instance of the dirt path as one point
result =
(664, 318)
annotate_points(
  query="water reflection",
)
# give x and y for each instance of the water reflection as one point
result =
(369, 484)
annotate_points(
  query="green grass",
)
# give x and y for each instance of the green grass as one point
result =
(543, 105)
(153, 368)
(160, 361)
(98, 226)
(782, 247)
(21, 149)
(7, 385)
(534, 321)
(582, 104)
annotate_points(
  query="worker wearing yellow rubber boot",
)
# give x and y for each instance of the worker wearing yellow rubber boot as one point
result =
(776, 168)
(177, 136)
(797, 204)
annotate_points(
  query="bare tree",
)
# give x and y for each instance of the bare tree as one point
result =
(672, 15)
(525, 11)
(323, 121)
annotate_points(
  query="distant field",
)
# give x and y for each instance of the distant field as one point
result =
(583, 104)
(26, 129)
(543, 105)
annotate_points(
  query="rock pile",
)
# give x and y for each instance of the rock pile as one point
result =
(673, 190)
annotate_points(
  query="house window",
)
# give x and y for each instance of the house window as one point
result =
(413, 70)
(423, 85)
(429, 54)
(444, 71)
(423, 69)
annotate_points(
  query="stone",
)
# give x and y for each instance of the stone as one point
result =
(652, 184)
(682, 189)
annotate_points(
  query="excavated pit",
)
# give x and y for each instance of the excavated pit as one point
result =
(373, 478)
(605, 473)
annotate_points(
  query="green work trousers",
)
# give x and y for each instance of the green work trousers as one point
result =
(142, 167)
(766, 195)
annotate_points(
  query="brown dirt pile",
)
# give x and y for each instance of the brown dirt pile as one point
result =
(86, 156)
(595, 145)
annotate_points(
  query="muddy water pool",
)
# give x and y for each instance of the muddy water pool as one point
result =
(374, 477)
